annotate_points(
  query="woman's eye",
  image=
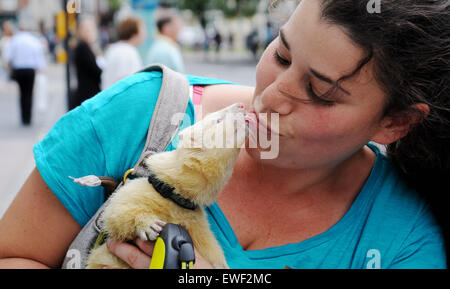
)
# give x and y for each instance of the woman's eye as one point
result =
(317, 99)
(282, 61)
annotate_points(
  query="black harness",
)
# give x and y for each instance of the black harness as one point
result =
(167, 192)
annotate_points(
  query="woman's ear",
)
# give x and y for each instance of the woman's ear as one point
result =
(396, 126)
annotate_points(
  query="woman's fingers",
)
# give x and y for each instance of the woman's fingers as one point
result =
(145, 246)
(140, 257)
(130, 254)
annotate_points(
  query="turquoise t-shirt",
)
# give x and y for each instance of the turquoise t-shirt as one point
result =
(387, 226)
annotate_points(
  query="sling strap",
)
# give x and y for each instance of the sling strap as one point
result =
(169, 112)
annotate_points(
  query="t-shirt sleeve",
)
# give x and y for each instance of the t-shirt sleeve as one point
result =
(72, 149)
(424, 246)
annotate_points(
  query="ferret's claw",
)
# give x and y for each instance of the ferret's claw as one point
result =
(152, 235)
(150, 231)
(155, 229)
(143, 236)
(160, 223)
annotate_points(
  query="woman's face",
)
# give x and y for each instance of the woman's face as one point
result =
(88, 31)
(299, 64)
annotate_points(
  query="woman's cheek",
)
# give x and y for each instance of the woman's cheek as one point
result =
(317, 124)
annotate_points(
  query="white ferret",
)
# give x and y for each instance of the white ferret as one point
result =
(197, 170)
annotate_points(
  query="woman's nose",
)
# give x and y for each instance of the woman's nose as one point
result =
(276, 100)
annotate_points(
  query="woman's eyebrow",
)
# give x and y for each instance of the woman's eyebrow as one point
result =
(283, 39)
(313, 72)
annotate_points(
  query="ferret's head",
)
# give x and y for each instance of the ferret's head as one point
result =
(204, 160)
(224, 129)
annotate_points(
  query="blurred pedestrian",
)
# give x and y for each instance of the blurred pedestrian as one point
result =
(88, 71)
(25, 55)
(165, 49)
(49, 36)
(217, 39)
(7, 33)
(271, 33)
(231, 41)
(122, 58)
(252, 43)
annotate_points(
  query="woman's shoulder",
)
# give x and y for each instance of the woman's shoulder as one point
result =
(216, 97)
(388, 184)
(133, 90)
(218, 93)
(393, 200)
(396, 219)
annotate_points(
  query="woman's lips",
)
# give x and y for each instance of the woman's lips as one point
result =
(260, 125)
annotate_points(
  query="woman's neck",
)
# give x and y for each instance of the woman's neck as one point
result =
(349, 175)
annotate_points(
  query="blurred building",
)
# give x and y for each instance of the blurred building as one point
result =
(36, 11)
(8, 10)
(30, 11)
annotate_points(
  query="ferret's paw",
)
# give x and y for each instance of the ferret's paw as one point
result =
(151, 232)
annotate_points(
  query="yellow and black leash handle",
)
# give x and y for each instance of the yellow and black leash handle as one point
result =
(173, 249)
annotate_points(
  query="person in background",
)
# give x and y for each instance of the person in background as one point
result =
(49, 37)
(7, 33)
(88, 71)
(217, 40)
(25, 55)
(165, 49)
(122, 58)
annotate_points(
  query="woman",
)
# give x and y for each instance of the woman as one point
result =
(88, 71)
(338, 77)
(122, 58)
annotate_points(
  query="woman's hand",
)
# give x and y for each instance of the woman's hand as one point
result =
(140, 256)
(137, 257)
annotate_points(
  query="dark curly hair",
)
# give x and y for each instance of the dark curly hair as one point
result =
(409, 43)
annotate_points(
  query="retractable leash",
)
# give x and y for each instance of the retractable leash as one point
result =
(173, 249)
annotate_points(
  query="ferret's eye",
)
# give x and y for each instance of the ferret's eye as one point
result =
(219, 120)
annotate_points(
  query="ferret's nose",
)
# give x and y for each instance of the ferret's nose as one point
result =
(241, 106)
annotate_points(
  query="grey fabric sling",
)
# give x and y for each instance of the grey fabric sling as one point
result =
(172, 101)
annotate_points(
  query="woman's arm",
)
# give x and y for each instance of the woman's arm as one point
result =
(216, 97)
(37, 230)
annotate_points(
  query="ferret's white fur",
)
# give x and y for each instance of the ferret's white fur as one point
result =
(198, 173)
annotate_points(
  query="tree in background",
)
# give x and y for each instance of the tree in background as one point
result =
(233, 8)
(230, 8)
(114, 4)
